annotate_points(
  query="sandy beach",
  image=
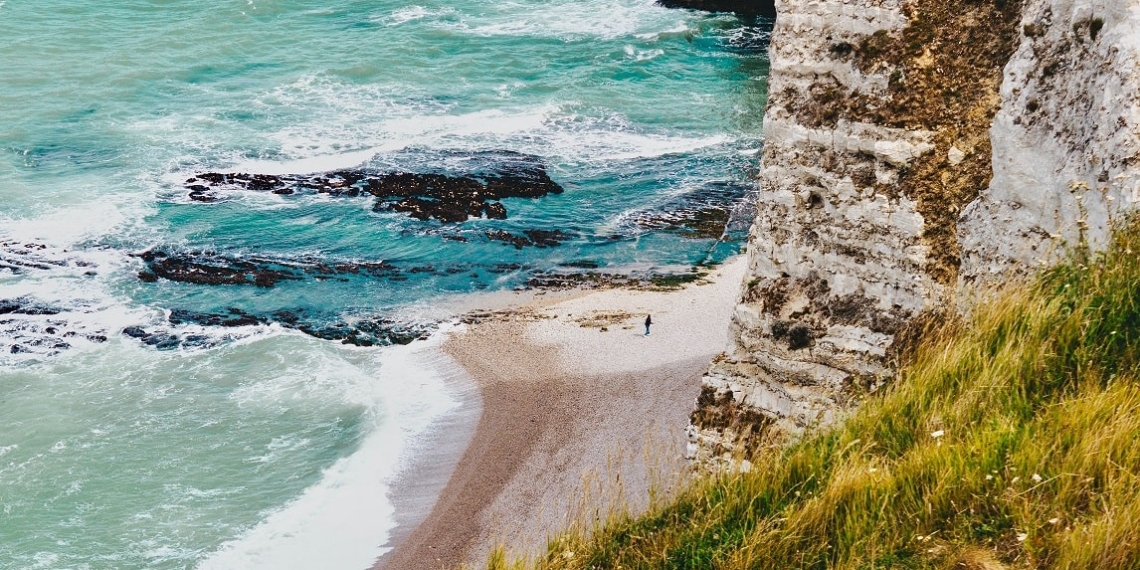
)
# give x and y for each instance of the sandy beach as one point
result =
(581, 412)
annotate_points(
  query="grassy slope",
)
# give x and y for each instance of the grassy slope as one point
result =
(1010, 442)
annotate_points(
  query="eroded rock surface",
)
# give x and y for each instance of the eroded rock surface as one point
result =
(916, 151)
(876, 136)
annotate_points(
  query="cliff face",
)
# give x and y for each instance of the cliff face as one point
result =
(1066, 141)
(886, 121)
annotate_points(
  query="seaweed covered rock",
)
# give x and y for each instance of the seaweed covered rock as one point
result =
(449, 197)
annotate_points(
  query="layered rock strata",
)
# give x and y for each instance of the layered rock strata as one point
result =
(877, 138)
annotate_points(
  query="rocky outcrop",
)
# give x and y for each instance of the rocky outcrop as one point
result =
(764, 8)
(914, 149)
(447, 197)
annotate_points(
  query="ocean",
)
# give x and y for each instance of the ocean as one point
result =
(203, 371)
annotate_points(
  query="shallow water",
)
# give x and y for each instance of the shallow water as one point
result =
(219, 446)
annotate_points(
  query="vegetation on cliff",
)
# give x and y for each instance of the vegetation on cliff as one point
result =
(1009, 442)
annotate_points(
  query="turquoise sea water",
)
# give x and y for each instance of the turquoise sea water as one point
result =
(258, 446)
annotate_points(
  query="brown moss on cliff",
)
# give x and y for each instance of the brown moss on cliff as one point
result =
(944, 70)
(719, 410)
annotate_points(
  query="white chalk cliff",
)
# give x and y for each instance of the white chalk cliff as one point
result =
(912, 156)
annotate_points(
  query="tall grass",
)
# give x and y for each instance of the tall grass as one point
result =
(1010, 442)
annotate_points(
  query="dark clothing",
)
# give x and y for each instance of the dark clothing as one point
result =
(648, 321)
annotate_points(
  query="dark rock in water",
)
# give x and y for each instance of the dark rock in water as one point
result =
(448, 198)
(751, 8)
(163, 340)
(19, 257)
(196, 341)
(501, 268)
(234, 318)
(456, 198)
(25, 306)
(546, 238)
(569, 280)
(202, 193)
(376, 331)
(597, 280)
(714, 211)
(425, 209)
(495, 211)
(581, 264)
(210, 269)
(499, 235)
(35, 330)
(530, 238)
(239, 273)
(367, 332)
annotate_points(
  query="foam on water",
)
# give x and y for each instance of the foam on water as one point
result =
(407, 14)
(603, 19)
(553, 131)
(344, 520)
(339, 520)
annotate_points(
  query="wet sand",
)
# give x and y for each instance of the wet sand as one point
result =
(575, 420)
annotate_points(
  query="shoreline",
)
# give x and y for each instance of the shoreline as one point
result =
(582, 415)
(415, 489)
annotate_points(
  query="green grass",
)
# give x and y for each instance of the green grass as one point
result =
(1009, 442)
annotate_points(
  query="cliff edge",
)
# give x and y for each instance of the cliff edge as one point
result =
(915, 151)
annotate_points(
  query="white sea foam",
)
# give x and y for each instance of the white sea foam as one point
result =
(411, 14)
(642, 54)
(67, 225)
(604, 19)
(378, 123)
(654, 35)
(342, 522)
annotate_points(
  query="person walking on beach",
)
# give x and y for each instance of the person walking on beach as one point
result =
(648, 321)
